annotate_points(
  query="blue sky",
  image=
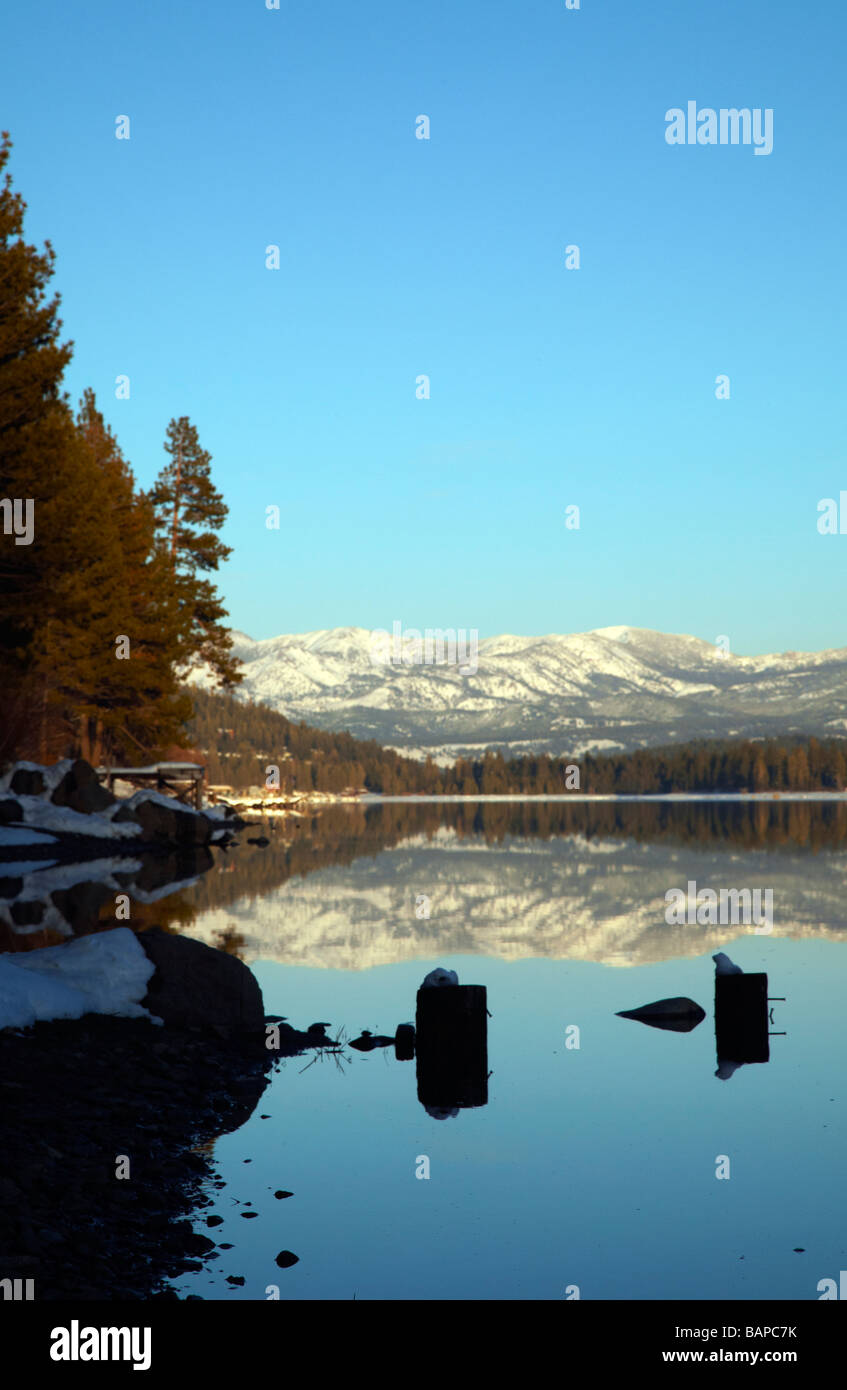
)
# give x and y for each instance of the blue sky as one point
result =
(400, 257)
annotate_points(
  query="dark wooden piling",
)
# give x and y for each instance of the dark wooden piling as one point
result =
(451, 1044)
(741, 1018)
(404, 1042)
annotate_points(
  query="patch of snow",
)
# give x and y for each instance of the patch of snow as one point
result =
(439, 977)
(106, 973)
(46, 816)
(157, 798)
(52, 775)
(123, 789)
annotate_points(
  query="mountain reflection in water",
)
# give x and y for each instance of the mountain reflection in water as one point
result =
(518, 880)
(549, 871)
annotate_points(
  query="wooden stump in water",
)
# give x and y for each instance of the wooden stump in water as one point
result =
(741, 1018)
(451, 1043)
(404, 1042)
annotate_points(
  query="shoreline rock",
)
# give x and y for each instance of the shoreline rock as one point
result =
(195, 985)
(69, 814)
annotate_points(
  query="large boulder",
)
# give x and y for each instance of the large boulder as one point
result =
(80, 790)
(197, 986)
(27, 781)
(162, 818)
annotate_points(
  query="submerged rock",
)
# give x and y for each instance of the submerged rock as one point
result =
(368, 1041)
(678, 1015)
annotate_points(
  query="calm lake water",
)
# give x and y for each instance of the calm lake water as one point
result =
(591, 1166)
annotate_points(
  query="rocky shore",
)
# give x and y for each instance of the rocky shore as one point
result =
(70, 850)
(63, 812)
(76, 1096)
(108, 1122)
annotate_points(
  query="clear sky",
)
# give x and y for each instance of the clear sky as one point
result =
(399, 256)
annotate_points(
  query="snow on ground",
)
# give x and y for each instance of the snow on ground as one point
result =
(106, 974)
(121, 788)
(43, 814)
(158, 799)
(52, 775)
(40, 813)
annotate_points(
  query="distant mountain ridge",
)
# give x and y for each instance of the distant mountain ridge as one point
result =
(615, 688)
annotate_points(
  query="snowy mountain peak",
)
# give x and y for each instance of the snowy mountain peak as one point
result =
(611, 688)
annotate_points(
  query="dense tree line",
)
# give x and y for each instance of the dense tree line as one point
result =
(104, 600)
(239, 740)
(720, 766)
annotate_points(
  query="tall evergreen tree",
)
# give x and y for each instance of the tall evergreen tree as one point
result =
(133, 705)
(189, 511)
(88, 569)
(34, 436)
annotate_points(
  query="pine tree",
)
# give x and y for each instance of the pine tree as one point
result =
(134, 705)
(34, 435)
(759, 772)
(189, 511)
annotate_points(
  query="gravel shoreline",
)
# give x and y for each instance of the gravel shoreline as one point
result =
(77, 1094)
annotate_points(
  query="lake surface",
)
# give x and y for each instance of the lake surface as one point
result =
(590, 1167)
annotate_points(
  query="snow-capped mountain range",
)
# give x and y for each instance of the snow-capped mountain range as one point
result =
(613, 688)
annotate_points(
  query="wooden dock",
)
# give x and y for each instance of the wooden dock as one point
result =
(184, 781)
